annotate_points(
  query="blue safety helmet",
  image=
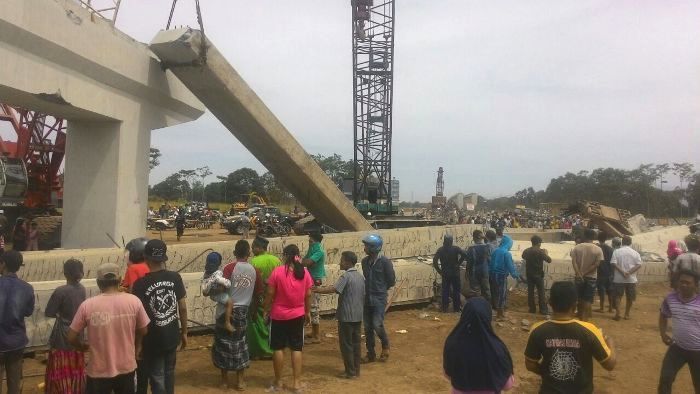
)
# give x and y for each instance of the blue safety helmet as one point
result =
(373, 242)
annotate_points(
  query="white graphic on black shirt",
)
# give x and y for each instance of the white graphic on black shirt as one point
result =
(162, 302)
(563, 365)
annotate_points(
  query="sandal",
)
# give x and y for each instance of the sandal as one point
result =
(273, 389)
(384, 357)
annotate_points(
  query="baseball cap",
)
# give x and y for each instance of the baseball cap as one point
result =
(156, 251)
(107, 271)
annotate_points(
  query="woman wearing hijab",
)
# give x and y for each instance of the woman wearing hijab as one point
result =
(476, 360)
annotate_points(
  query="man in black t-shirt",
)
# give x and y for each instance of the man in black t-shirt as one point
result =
(162, 293)
(562, 350)
(535, 257)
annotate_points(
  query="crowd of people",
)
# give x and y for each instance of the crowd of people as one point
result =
(561, 348)
(133, 328)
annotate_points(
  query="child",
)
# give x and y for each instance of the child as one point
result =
(65, 370)
(33, 237)
(215, 286)
(351, 291)
(18, 304)
(136, 267)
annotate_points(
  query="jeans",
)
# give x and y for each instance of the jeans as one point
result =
(479, 279)
(159, 369)
(451, 286)
(349, 338)
(676, 357)
(11, 364)
(374, 323)
(120, 384)
(532, 283)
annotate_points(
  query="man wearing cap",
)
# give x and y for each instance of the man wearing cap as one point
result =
(162, 293)
(16, 304)
(314, 261)
(115, 323)
(258, 333)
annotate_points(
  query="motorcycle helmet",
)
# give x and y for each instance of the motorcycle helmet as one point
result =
(373, 242)
(135, 247)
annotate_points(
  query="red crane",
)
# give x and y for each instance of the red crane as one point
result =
(30, 164)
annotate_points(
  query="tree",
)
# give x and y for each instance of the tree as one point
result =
(171, 188)
(243, 181)
(203, 172)
(153, 159)
(684, 172)
(188, 176)
(660, 170)
(335, 167)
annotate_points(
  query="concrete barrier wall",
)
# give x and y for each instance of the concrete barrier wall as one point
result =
(398, 243)
(414, 276)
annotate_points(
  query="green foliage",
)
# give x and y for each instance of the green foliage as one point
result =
(153, 158)
(335, 167)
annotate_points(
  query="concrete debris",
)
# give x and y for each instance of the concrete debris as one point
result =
(525, 322)
(499, 324)
(402, 331)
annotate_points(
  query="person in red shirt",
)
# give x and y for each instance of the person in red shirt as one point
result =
(136, 267)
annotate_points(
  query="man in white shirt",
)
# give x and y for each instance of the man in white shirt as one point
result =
(625, 262)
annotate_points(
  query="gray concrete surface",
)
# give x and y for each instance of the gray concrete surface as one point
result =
(235, 104)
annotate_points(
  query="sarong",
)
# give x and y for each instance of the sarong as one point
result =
(230, 350)
(65, 372)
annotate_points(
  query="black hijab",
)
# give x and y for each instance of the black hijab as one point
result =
(474, 357)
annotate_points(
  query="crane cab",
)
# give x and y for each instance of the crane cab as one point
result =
(13, 181)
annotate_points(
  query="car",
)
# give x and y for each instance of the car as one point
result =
(237, 224)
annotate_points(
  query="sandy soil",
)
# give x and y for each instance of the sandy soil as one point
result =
(416, 360)
(193, 235)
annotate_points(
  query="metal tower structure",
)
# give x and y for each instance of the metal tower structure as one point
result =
(440, 184)
(373, 74)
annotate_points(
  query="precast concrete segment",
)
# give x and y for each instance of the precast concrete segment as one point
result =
(59, 59)
(217, 84)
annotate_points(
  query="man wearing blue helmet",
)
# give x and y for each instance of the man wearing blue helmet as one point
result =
(379, 278)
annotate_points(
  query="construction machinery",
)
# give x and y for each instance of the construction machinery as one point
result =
(373, 78)
(439, 200)
(32, 150)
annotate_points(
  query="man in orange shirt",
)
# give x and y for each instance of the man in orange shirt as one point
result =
(136, 267)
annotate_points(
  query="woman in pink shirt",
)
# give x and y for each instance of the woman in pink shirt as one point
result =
(287, 307)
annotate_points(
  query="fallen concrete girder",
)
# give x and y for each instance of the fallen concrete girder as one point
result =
(224, 92)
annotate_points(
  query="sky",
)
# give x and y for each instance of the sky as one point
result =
(502, 94)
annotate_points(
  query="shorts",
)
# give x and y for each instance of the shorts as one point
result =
(586, 289)
(287, 333)
(628, 289)
(316, 304)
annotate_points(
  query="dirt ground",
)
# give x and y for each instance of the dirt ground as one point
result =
(416, 359)
(213, 234)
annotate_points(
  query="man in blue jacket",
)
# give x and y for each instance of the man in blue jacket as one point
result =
(500, 266)
(379, 278)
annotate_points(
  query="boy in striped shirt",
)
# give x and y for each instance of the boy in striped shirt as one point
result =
(683, 307)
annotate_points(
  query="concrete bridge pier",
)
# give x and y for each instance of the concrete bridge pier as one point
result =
(59, 59)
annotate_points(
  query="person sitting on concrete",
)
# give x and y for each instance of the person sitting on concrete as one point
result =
(351, 292)
(478, 256)
(500, 266)
(561, 350)
(535, 257)
(683, 308)
(585, 259)
(16, 304)
(379, 278)
(447, 262)
(475, 359)
(626, 262)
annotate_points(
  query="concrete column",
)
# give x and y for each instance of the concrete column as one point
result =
(106, 183)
